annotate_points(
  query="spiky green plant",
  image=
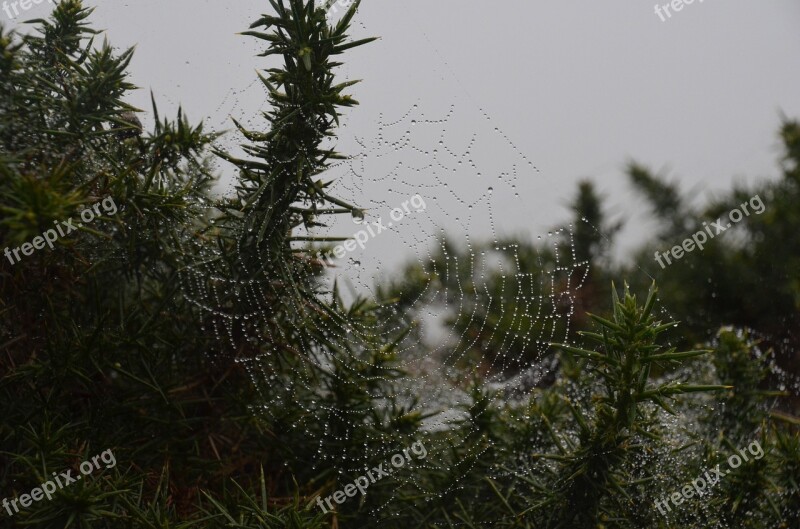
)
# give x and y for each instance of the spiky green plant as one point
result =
(627, 349)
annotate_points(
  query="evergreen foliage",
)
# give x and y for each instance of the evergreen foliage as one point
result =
(191, 335)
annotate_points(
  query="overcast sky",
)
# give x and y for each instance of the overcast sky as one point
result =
(574, 88)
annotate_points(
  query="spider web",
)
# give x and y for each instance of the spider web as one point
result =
(472, 187)
(458, 266)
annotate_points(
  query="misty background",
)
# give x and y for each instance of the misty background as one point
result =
(529, 97)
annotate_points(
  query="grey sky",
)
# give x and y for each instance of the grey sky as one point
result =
(579, 87)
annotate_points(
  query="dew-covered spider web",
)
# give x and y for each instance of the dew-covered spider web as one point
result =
(446, 196)
(441, 211)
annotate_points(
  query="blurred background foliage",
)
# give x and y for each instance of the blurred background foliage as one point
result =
(102, 348)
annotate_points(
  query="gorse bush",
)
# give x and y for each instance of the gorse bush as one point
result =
(194, 336)
(100, 337)
(607, 440)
